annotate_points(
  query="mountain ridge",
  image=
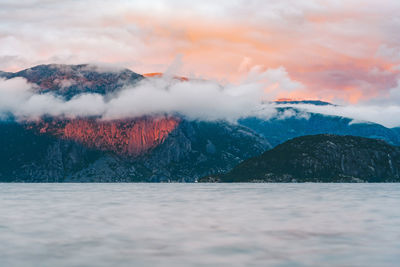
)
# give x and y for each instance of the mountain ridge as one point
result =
(320, 158)
(141, 149)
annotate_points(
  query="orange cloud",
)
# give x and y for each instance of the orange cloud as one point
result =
(216, 50)
(331, 48)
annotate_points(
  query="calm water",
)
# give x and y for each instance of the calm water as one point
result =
(199, 225)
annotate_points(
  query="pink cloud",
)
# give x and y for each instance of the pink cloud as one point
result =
(343, 51)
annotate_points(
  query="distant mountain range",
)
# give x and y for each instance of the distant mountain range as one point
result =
(147, 149)
(279, 130)
(320, 158)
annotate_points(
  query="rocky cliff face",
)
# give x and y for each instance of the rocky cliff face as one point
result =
(124, 137)
(321, 158)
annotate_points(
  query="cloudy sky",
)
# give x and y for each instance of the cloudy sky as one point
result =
(341, 51)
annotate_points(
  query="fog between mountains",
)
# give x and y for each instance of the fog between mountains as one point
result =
(194, 99)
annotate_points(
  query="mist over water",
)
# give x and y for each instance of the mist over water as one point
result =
(199, 224)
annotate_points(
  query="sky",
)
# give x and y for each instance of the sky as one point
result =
(346, 52)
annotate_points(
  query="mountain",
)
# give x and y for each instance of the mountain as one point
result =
(27, 156)
(196, 149)
(70, 80)
(282, 128)
(4, 74)
(145, 149)
(396, 130)
(191, 150)
(320, 158)
(149, 148)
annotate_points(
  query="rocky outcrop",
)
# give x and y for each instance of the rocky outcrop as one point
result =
(132, 138)
(320, 158)
(123, 137)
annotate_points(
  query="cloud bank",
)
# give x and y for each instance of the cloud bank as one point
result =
(387, 116)
(195, 98)
(384, 110)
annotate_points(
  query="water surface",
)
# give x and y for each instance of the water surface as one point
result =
(199, 224)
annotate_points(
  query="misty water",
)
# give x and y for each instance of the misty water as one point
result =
(199, 224)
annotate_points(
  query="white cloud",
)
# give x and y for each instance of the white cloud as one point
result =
(20, 98)
(389, 53)
(387, 115)
(195, 99)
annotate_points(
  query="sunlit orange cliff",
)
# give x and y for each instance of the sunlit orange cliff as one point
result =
(124, 137)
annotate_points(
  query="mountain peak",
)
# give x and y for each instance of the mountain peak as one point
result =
(70, 80)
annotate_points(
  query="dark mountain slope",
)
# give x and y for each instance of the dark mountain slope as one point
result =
(321, 158)
(29, 157)
(196, 149)
(192, 150)
(279, 130)
(4, 74)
